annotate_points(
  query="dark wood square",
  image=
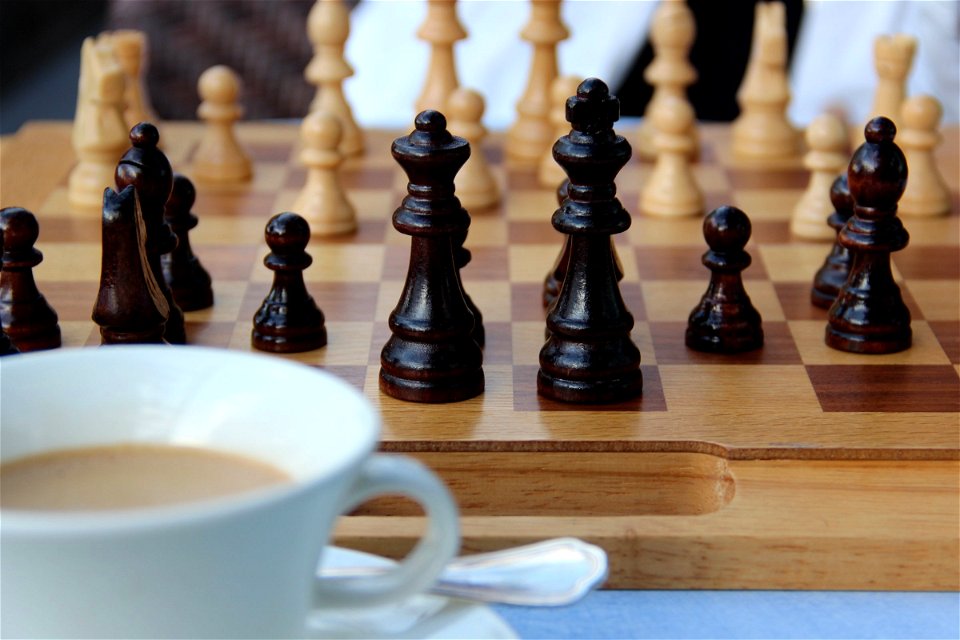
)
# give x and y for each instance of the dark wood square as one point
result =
(886, 388)
(355, 375)
(795, 301)
(526, 398)
(928, 262)
(748, 178)
(529, 232)
(234, 203)
(670, 347)
(948, 334)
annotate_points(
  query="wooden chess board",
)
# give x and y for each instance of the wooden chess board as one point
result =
(795, 466)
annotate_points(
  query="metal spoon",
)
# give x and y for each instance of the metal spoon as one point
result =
(551, 573)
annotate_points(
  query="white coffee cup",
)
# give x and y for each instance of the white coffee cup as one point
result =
(239, 566)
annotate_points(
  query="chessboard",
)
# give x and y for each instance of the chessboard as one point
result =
(794, 466)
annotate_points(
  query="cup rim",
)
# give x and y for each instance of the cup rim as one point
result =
(15, 522)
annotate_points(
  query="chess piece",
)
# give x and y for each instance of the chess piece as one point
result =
(441, 29)
(549, 172)
(99, 130)
(926, 193)
(431, 355)
(26, 317)
(869, 315)
(461, 258)
(531, 134)
(289, 320)
(762, 132)
(477, 189)
(6, 347)
(725, 321)
(892, 59)
(328, 26)
(672, 32)
(189, 282)
(589, 356)
(831, 276)
(146, 168)
(323, 201)
(130, 307)
(131, 51)
(827, 156)
(219, 157)
(672, 189)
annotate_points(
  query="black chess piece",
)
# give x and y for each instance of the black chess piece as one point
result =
(146, 168)
(289, 320)
(554, 279)
(27, 319)
(869, 315)
(431, 355)
(831, 276)
(461, 258)
(189, 282)
(130, 307)
(725, 321)
(589, 356)
(7, 348)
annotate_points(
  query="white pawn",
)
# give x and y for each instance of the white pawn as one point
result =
(328, 26)
(475, 185)
(672, 189)
(926, 193)
(219, 157)
(322, 201)
(827, 158)
(550, 173)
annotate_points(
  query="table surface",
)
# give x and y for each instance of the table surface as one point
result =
(744, 614)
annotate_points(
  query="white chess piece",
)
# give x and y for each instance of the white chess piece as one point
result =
(322, 201)
(131, 50)
(672, 33)
(672, 189)
(441, 28)
(551, 174)
(532, 133)
(926, 193)
(476, 186)
(892, 58)
(100, 134)
(826, 159)
(762, 134)
(219, 157)
(328, 26)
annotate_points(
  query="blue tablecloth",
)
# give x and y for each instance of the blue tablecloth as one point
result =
(744, 614)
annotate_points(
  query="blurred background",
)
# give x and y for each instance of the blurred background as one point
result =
(266, 42)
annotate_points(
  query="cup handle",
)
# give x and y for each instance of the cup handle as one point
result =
(395, 474)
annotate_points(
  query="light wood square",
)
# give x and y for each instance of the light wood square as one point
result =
(58, 204)
(533, 206)
(766, 204)
(527, 338)
(74, 262)
(228, 230)
(931, 231)
(487, 231)
(793, 262)
(387, 298)
(227, 300)
(77, 333)
(647, 230)
(938, 299)
(531, 262)
(711, 177)
(491, 297)
(809, 338)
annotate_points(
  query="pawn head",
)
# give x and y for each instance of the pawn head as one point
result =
(19, 229)
(287, 233)
(726, 229)
(219, 84)
(322, 130)
(183, 194)
(827, 132)
(465, 105)
(922, 112)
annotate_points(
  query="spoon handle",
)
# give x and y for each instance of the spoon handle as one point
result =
(550, 573)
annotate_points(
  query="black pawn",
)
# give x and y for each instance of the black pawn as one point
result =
(289, 320)
(869, 315)
(589, 356)
(130, 307)
(831, 276)
(27, 319)
(6, 347)
(146, 168)
(725, 321)
(461, 258)
(431, 355)
(189, 282)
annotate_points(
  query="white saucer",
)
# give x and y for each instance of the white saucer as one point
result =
(421, 616)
